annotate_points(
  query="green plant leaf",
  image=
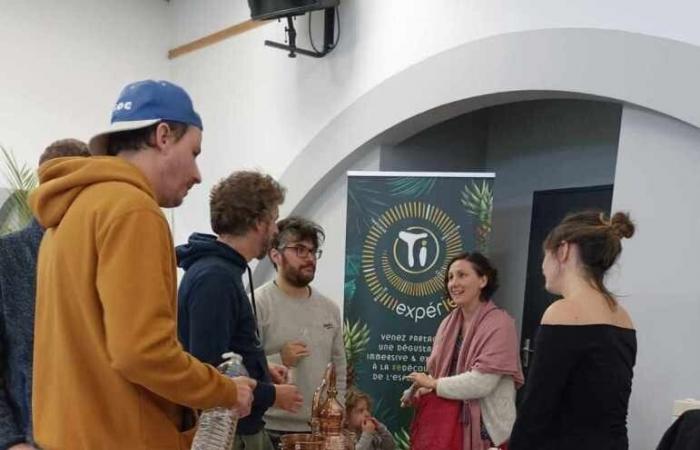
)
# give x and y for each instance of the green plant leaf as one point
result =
(402, 439)
(15, 212)
(384, 413)
(352, 273)
(355, 337)
(477, 199)
(411, 186)
(352, 266)
(364, 199)
(350, 289)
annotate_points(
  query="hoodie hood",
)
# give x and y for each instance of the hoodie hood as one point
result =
(63, 179)
(200, 246)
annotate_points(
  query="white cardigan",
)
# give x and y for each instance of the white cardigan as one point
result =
(496, 394)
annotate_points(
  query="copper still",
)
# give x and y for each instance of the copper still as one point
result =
(328, 415)
(327, 421)
(301, 441)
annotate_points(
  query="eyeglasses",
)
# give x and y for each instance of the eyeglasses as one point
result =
(303, 252)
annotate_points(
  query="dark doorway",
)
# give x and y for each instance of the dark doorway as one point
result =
(548, 209)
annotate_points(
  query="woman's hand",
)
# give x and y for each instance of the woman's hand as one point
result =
(423, 380)
(421, 392)
(411, 395)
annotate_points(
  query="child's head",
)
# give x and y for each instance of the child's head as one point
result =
(358, 408)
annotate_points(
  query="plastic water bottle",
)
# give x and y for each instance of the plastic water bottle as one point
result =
(217, 426)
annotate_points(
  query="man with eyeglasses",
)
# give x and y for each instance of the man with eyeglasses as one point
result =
(299, 327)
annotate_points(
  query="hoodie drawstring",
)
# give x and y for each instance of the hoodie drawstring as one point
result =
(252, 300)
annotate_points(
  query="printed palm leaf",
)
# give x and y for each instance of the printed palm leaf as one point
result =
(365, 199)
(349, 290)
(21, 180)
(410, 186)
(355, 338)
(402, 440)
(384, 413)
(478, 201)
(352, 271)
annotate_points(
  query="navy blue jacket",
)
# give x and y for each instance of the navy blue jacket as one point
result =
(215, 316)
(18, 255)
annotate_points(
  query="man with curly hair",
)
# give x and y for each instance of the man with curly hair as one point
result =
(215, 315)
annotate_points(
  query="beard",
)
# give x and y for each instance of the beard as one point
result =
(299, 277)
(265, 248)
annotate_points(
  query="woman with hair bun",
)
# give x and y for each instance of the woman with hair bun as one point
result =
(578, 388)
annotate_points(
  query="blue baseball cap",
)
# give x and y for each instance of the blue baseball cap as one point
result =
(144, 103)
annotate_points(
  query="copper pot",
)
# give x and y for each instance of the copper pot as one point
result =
(301, 441)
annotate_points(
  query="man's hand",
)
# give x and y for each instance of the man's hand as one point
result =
(288, 398)
(21, 447)
(278, 373)
(292, 352)
(245, 387)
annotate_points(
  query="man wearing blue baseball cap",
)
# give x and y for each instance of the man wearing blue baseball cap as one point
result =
(144, 108)
(109, 372)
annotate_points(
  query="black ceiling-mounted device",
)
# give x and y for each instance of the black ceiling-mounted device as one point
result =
(289, 9)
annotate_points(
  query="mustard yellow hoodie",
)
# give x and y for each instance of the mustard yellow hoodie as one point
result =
(109, 372)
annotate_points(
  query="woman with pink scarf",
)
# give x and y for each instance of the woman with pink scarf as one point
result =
(475, 356)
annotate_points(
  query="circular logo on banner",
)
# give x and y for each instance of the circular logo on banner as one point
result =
(405, 254)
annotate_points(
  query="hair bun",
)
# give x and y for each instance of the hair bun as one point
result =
(621, 225)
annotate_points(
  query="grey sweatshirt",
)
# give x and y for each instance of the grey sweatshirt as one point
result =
(314, 320)
(381, 439)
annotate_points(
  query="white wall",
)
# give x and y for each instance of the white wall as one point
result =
(64, 63)
(656, 180)
(535, 146)
(262, 108)
(456, 145)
